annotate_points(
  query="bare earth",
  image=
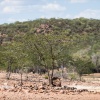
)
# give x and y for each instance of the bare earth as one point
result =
(11, 89)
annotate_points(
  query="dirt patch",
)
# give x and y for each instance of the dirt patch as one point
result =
(36, 87)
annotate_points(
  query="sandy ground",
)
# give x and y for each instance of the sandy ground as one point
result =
(8, 92)
(47, 96)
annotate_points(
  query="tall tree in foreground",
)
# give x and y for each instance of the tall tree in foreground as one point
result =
(48, 50)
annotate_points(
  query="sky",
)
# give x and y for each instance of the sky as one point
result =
(23, 10)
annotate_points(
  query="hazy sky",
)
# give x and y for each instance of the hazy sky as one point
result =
(22, 10)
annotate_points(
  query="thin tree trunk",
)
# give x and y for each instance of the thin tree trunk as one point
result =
(80, 76)
(21, 83)
(49, 78)
(8, 75)
(97, 60)
(97, 69)
(8, 70)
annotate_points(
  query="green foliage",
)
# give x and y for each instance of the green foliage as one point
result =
(72, 76)
(50, 43)
(83, 67)
(46, 76)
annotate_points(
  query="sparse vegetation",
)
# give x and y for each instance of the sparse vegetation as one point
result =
(50, 44)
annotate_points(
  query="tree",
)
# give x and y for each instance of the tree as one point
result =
(8, 59)
(82, 61)
(48, 50)
(96, 61)
(83, 67)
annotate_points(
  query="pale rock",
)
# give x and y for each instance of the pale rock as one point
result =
(62, 91)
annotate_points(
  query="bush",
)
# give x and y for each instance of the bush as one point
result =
(46, 77)
(72, 76)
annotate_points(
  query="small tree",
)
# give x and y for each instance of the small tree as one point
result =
(82, 60)
(83, 67)
(22, 58)
(96, 61)
(8, 59)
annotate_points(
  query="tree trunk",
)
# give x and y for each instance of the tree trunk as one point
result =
(80, 77)
(8, 75)
(21, 81)
(8, 72)
(52, 72)
(97, 69)
(9, 68)
(97, 61)
(49, 78)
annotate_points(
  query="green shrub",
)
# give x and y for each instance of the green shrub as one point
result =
(46, 77)
(72, 76)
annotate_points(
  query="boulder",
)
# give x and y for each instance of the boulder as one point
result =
(35, 87)
(56, 82)
(62, 91)
(41, 87)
